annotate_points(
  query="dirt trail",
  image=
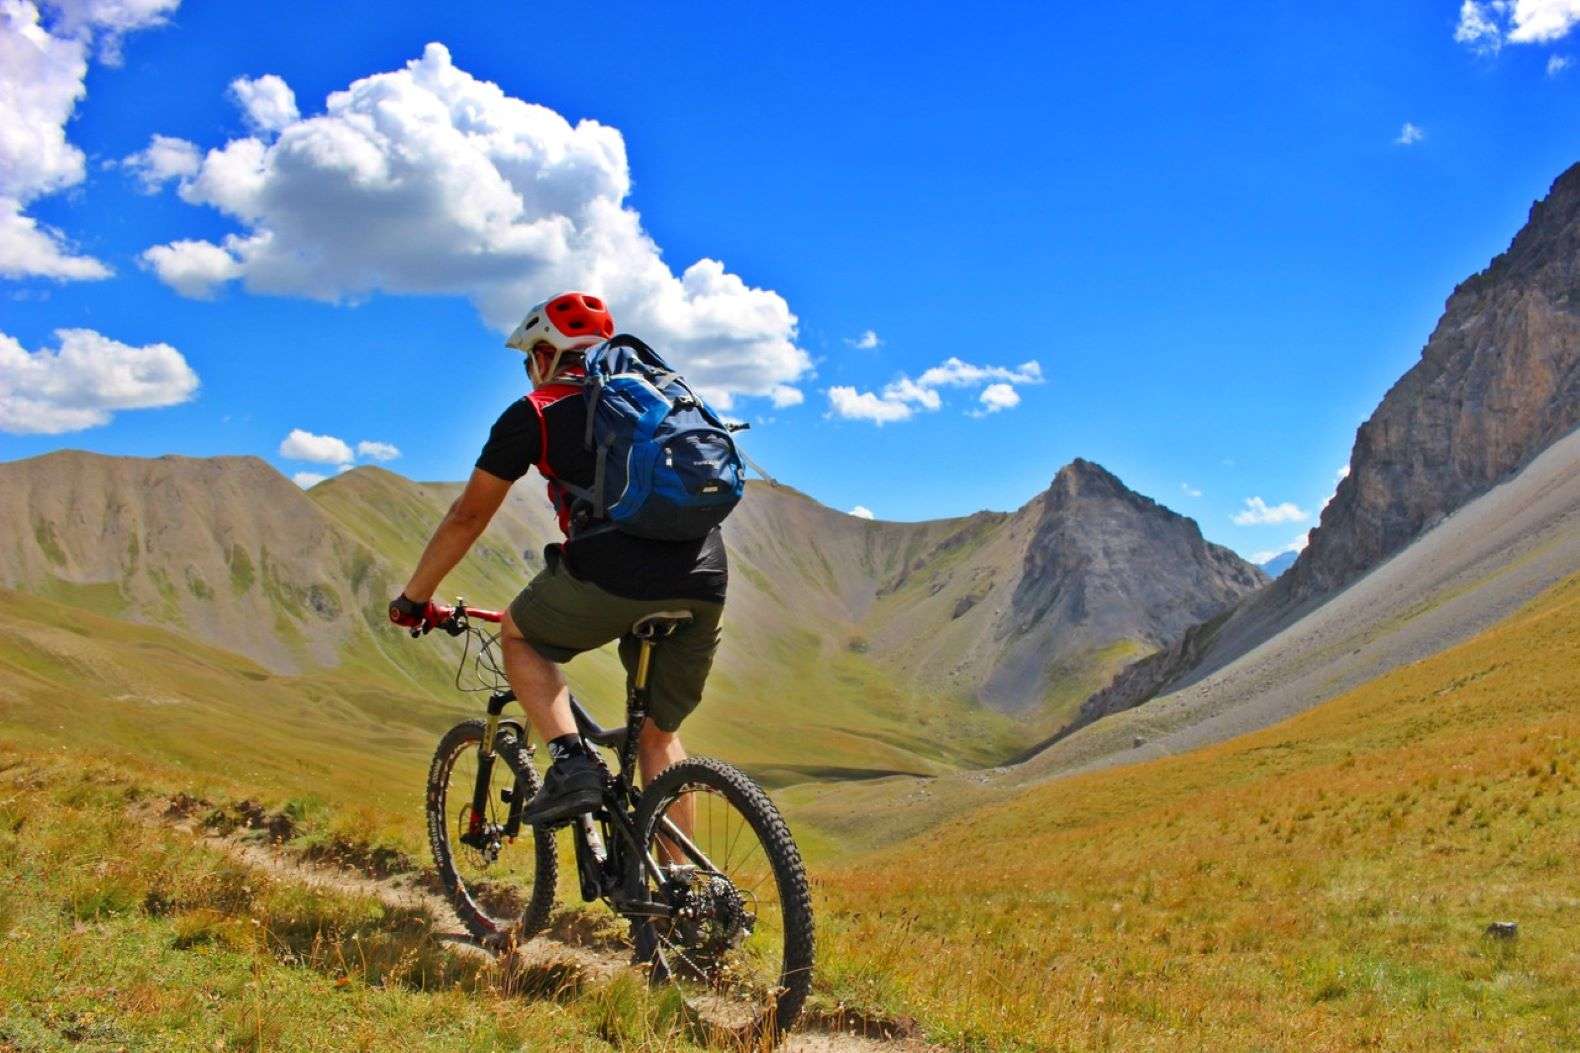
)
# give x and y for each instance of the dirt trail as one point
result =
(593, 964)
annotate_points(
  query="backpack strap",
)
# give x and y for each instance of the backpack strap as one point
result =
(560, 492)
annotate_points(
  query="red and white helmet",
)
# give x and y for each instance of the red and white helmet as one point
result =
(570, 322)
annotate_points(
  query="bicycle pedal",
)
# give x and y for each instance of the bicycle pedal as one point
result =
(507, 795)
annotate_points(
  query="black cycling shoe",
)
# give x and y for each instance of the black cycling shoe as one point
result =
(572, 786)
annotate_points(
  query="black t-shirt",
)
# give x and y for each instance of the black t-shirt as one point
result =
(632, 567)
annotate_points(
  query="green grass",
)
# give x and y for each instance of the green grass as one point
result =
(122, 934)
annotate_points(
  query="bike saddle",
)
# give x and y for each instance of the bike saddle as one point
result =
(660, 624)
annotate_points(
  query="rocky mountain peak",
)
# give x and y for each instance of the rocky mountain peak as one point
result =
(1083, 478)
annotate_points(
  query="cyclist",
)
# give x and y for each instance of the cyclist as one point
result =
(594, 585)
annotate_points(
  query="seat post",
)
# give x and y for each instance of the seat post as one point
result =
(644, 664)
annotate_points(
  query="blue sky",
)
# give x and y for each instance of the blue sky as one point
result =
(1213, 233)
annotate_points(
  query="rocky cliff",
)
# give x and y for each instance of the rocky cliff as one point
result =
(1498, 382)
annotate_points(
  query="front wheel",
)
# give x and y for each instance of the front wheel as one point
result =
(738, 941)
(499, 889)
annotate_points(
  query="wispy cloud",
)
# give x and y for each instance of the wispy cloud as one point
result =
(1189, 491)
(1486, 25)
(1258, 512)
(377, 451)
(1556, 64)
(1409, 135)
(1478, 27)
(901, 398)
(866, 341)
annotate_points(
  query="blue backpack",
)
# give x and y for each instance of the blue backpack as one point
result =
(666, 466)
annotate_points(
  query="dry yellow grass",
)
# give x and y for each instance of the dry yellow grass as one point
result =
(1322, 884)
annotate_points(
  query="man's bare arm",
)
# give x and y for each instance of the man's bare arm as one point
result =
(461, 527)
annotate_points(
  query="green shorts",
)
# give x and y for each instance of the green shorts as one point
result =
(561, 616)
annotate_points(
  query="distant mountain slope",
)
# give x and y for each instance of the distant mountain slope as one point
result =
(1498, 382)
(1028, 609)
(225, 549)
(868, 645)
(1278, 564)
(1461, 576)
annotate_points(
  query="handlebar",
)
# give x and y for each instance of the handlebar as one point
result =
(453, 620)
(446, 614)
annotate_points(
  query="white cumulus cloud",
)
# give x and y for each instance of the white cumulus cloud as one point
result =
(163, 159)
(308, 480)
(1542, 21)
(997, 397)
(861, 512)
(427, 180)
(376, 451)
(267, 103)
(83, 382)
(901, 398)
(303, 445)
(1486, 25)
(851, 404)
(1409, 135)
(192, 268)
(1258, 512)
(43, 68)
(866, 341)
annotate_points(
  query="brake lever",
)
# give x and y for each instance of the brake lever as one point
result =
(455, 625)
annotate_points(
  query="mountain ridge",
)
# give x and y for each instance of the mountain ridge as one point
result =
(1497, 383)
(1021, 611)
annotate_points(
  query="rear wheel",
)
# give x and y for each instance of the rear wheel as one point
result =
(499, 888)
(739, 943)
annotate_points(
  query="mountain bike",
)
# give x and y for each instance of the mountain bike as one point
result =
(699, 863)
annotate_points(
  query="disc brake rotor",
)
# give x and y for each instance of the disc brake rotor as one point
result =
(481, 843)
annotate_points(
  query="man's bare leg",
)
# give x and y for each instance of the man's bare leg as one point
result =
(657, 749)
(538, 683)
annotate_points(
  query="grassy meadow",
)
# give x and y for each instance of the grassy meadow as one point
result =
(1325, 883)
(1322, 884)
(119, 933)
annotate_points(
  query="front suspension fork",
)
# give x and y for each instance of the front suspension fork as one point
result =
(486, 756)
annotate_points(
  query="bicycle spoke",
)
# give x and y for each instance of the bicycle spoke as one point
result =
(725, 951)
